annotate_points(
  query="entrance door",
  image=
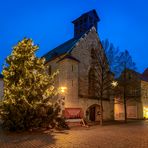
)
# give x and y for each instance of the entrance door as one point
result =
(92, 116)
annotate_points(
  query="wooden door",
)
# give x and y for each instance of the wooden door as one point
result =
(92, 116)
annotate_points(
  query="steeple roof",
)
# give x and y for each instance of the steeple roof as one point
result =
(85, 22)
(90, 13)
(85, 27)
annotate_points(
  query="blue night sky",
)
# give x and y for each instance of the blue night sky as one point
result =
(48, 23)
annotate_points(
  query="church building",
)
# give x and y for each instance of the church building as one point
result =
(75, 61)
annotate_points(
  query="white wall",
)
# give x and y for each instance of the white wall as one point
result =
(132, 111)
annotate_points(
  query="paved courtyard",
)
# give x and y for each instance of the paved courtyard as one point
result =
(130, 135)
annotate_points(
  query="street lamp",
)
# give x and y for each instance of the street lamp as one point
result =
(114, 83)
(63, 89)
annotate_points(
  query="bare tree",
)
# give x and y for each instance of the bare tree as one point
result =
(119, 63)
(112, 54)
(103, 79)
(125, 63)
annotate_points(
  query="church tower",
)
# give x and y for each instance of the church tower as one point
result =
(85, 22)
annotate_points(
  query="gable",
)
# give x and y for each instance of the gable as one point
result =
(89, 41)
(64, 48)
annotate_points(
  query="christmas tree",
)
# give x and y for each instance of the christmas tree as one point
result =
(28, 90)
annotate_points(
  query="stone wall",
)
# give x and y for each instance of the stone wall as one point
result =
(83, 53)
(76, 79)
(68, 78)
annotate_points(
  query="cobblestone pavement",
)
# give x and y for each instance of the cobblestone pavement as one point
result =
(130, 135)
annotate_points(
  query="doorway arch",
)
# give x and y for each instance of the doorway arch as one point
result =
(93, 112)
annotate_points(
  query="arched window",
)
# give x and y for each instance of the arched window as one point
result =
(92, 81)
(49, 69)
(93, 56)
(92, 75)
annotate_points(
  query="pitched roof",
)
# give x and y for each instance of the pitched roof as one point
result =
(62, 49)
(144, 76)
(145, 73)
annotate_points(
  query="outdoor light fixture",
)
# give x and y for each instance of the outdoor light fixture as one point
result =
(63, 89)
(62, 92)
(114, 83)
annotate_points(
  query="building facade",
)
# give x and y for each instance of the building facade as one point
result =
(75, 61)
(136, 96)
(144, 93)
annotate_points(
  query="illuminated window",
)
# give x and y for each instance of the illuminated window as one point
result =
(145, 112)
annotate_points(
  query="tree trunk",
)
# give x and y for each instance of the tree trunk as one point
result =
(125, 108)
(101, 115)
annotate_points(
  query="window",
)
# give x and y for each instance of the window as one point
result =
(81, 29)
(72, 68)
(91, 79)
(76, 24)
(77, 32)
(85, 19)
(49, 69)
(129, 76)
(90, 19)
(93, 56)
(81, 22)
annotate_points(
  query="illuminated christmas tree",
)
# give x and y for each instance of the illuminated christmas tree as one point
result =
(28, 90)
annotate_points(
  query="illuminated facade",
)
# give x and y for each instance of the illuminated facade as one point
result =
(74, 60)
(137, 97)
(144, 90)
